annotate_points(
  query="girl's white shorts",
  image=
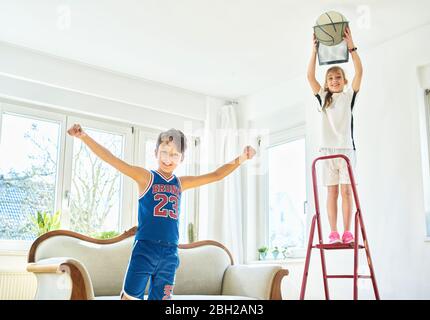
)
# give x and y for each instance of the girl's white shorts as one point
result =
(335, 171)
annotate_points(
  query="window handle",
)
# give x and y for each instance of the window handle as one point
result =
(67, 197)
(305, 204)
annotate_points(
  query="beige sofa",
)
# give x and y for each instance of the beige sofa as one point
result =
(69, 265)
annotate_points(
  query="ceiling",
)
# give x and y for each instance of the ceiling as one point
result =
(223, 48)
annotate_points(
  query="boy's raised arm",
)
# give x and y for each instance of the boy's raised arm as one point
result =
(189, 182)
(140, 175)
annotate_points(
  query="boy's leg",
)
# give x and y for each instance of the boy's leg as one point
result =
(161, 287)
(163, 280)
(134, 285)
(143, 262)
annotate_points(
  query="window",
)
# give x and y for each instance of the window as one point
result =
(44, 169)
(286, 195)
(97, 197)
(29, 166)
(427, 107)
(96, 190)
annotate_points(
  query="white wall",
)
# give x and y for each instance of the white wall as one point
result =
(390, 166)
(389, 171)
(30, 76)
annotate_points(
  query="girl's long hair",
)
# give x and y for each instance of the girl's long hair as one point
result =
(329, 96)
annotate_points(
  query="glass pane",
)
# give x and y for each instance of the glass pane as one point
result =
(29, 151)
(96, 193)
(428, 130)
(152, 164)
(287, 194)
(150, 159)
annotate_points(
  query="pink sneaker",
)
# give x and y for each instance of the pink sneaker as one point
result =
(334, 237)
(347, 237)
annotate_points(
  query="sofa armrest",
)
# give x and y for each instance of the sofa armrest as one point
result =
(61, 279)
(257, 281)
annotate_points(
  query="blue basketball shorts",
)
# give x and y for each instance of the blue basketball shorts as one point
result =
(153, 261)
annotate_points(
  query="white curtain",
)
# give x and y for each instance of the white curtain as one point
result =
(226, 219)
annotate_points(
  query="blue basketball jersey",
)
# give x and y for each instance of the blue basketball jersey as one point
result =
(158, 216)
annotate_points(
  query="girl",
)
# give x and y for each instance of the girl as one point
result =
(154, 255)
(336, 107)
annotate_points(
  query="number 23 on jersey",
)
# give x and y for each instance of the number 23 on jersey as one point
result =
(164, 199)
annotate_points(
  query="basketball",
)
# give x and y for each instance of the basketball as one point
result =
(330, 27)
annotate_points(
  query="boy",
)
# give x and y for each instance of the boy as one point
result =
(154, 255)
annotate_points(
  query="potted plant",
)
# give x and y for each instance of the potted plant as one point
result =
(105, 235)
(191, 233)
(285, 252)
(263, 252)
(275, 252)
(42, 222)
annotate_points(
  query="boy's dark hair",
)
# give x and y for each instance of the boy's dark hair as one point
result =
(174, 135)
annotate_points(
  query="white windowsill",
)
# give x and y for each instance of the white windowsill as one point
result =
(13, 261)
(13, 253)
(284, 261)
(14, 247)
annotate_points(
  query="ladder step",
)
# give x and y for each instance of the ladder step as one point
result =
(347, 276)
(337, 246)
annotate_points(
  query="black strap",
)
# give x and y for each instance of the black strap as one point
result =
(319, 99)
(354, 95)
(352, 118)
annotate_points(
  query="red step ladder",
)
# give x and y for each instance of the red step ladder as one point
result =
(322, 247)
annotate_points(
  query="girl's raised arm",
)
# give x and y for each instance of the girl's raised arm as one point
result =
(356, 82)
(311, 68)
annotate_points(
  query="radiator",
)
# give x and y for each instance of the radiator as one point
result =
(17, 285)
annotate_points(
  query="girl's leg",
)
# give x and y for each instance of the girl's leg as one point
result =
(332, 195)
(346, 192)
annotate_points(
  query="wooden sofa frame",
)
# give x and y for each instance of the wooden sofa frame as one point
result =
(79, 290)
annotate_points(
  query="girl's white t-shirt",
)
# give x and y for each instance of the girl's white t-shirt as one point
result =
(337, 123)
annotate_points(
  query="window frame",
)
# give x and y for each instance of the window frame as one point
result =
(34, 113)
(272, 140)
(425, 155)
(123, 130)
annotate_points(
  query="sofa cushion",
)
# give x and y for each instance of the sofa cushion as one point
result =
(240, 280)
(106, 264)
(201, 270)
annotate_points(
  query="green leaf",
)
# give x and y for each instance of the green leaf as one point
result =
(46, 220)
(105, 235)
(43, 222)
(39, 217)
